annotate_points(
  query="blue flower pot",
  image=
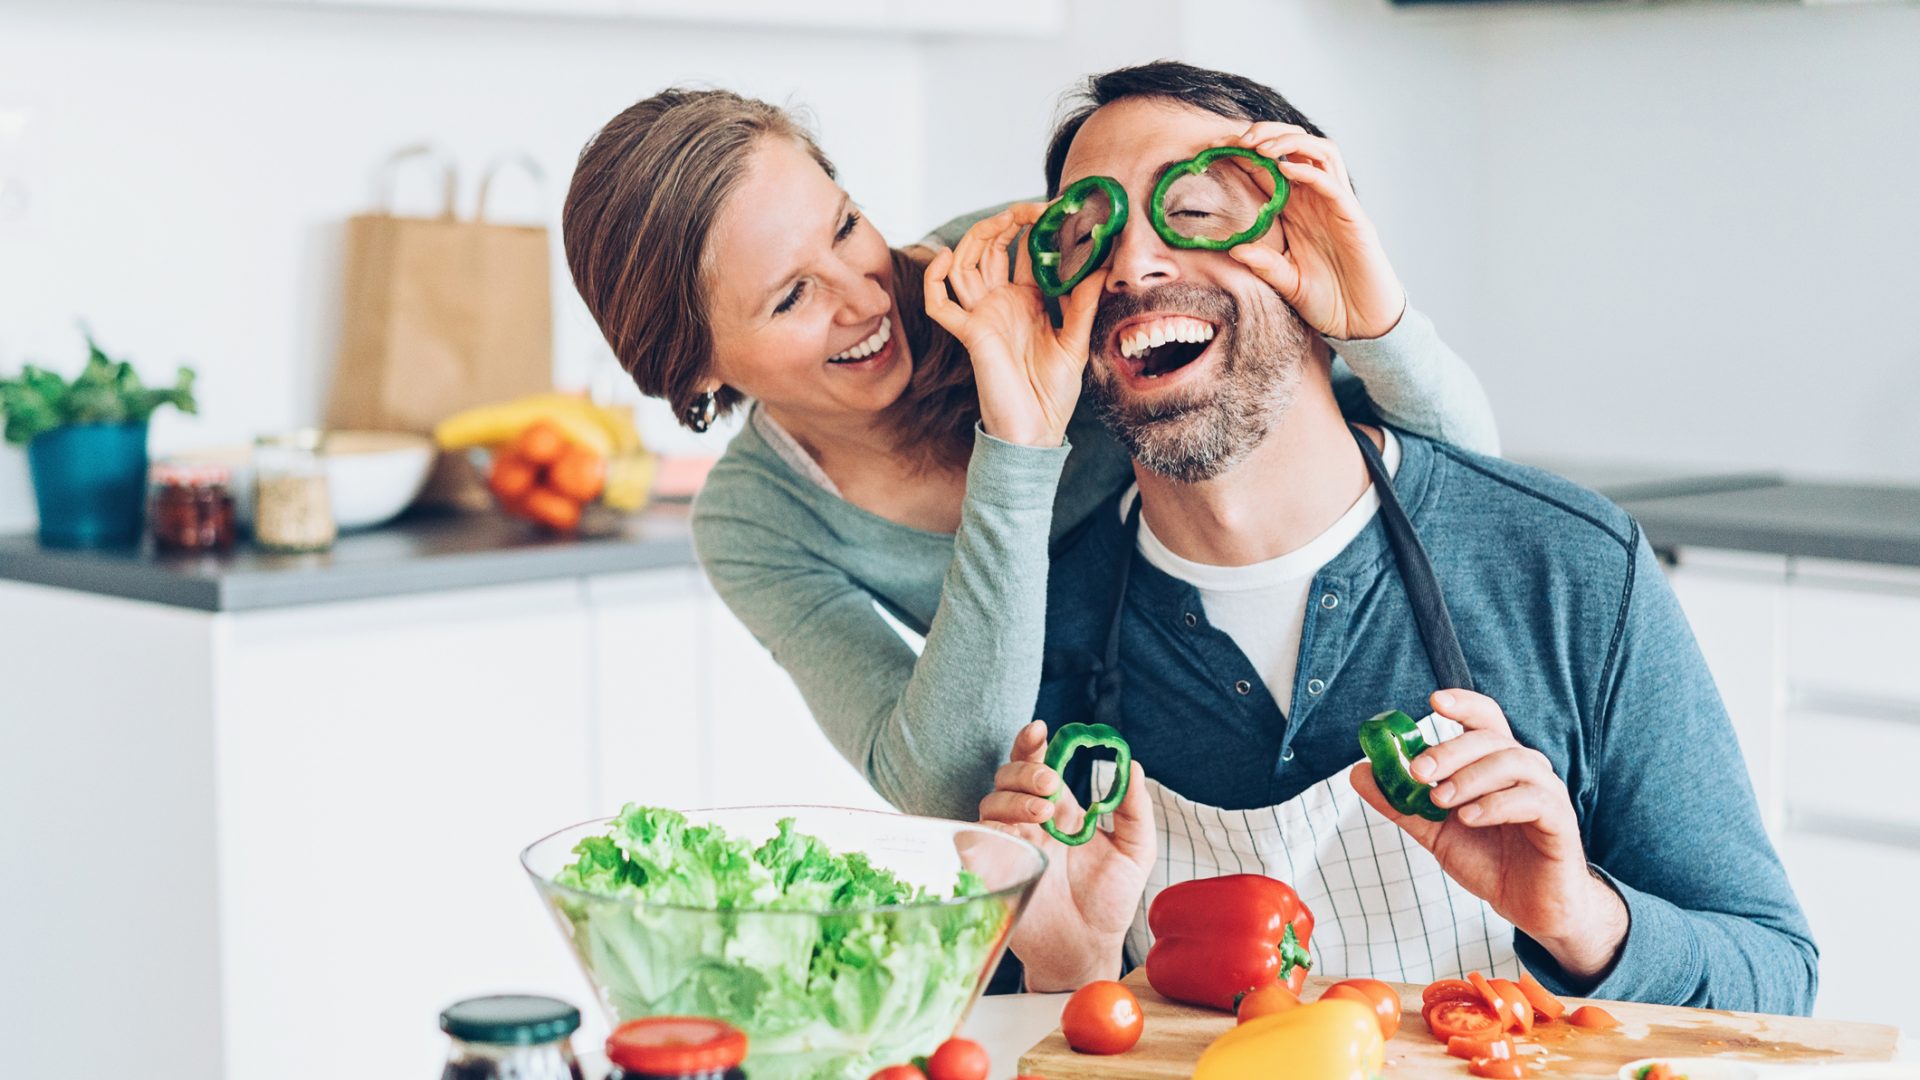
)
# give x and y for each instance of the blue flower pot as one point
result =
(91, 483)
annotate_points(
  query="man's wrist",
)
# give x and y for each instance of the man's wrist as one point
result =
(1595, 933)
(1045, 975)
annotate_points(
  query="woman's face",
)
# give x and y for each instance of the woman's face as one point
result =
(802, 296)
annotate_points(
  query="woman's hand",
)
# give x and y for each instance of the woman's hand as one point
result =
(1076, 923)
(1327, 262)
(1027, 372)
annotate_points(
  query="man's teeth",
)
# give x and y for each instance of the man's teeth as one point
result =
(1137, 340)
(871, 345)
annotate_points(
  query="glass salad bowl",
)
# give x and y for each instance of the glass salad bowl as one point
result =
(841, 941)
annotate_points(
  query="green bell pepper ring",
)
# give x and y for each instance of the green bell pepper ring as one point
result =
(1043, 240)
(1391, 741)
(1068, 741)
(1157, 211)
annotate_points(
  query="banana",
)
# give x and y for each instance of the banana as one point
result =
(582, 421)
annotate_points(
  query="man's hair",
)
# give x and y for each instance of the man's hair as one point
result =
(1217, 92)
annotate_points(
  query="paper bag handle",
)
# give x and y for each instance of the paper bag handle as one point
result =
(520, 158)
(390, 169)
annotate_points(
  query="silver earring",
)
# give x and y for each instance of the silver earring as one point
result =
(701, 413)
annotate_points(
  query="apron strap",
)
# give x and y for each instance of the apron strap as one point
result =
(1416, 575)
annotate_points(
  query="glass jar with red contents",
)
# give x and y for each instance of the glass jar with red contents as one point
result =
(676, 1048)
(192, 508)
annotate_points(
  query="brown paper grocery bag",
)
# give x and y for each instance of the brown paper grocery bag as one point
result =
(442, 314)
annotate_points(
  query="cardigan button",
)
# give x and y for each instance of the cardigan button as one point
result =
(1243, 686)
(1329, 601)
(1315, 686)
(1191, 619)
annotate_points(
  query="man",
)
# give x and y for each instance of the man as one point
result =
(1260, 594)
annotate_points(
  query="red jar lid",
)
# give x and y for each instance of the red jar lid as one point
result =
(676, 1046)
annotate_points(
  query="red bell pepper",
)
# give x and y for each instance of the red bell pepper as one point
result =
(1216, 937)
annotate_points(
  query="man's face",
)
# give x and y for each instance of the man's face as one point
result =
(1193, 356)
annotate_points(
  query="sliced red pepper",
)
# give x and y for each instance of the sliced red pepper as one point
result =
(1216, 937)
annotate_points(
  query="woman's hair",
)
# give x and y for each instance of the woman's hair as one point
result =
(644, 198)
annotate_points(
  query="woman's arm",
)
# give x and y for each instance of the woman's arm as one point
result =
(1417, 383)
(927, 731)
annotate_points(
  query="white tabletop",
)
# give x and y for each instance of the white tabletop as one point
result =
(1009, 1024)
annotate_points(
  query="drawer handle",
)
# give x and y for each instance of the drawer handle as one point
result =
(1848, 827)
(1864, 706)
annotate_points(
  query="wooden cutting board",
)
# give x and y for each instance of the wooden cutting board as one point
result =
(1176, 1034)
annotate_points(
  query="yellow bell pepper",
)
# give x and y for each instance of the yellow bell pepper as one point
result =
(1327, 1040)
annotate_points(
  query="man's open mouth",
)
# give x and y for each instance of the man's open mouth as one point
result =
(1156, 345)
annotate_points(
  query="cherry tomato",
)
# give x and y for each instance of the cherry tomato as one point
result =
(1517, 1004)
(1545, 1006)
(541, 443)
(1590, 1016)
(1470, 1047)
(1265, 1001)
(1497, 1068)
(1451, 1017)
(958, 1059)
(1448, 989)
(1102, 1018)
(899, 1072)
(1384, 1000)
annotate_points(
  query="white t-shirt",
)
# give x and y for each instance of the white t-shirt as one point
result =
(1263, 606)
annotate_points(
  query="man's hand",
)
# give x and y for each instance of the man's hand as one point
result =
(1077, 921)
(1027, 372)
(1511, 838)
(1324, 257)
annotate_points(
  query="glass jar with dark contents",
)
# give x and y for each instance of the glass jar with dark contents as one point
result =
(192, 508)
(676, 1048)
(511, 1037)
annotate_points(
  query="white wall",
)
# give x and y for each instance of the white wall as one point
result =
(189, 167)
(1671, 232)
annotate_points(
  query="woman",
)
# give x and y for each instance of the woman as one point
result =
(882, 468)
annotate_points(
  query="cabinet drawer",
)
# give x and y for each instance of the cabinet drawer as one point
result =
(1851, 774)
(1853, 642)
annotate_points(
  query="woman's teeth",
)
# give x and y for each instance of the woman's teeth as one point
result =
(868, 347)
(1136, 341)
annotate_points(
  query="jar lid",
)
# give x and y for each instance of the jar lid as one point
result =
(182, 474)
(510, 1020)
(676, 1045)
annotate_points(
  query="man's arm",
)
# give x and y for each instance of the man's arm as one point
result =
(1672, 824)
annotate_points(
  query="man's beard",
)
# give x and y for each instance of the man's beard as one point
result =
(1206, 430)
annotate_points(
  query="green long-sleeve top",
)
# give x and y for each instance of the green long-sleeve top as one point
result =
(808, 573)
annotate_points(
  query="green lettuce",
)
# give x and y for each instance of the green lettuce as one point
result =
(779, 939)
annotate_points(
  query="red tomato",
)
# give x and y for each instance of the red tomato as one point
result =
(1384, 1000)
(1497, 1068)
(552, 509)
(1545, 1006)
(512, 477)
(899, 1072)
(958, 1059)
(1102, 1018)
(1493, 999)
(1450, 1017)
(1265, 1001)
(1517, 1004)
(1589, 1016)
(580, 474)
(1448, 989)
(1470, 1047)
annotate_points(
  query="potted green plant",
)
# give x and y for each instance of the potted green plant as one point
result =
(87, 445)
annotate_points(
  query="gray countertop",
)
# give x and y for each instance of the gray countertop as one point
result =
(423, 552)
(426, 552)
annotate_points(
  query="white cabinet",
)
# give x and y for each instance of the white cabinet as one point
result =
(291, 836)
(1819, 663)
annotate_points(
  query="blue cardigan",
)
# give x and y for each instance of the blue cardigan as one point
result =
(1567, 621)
